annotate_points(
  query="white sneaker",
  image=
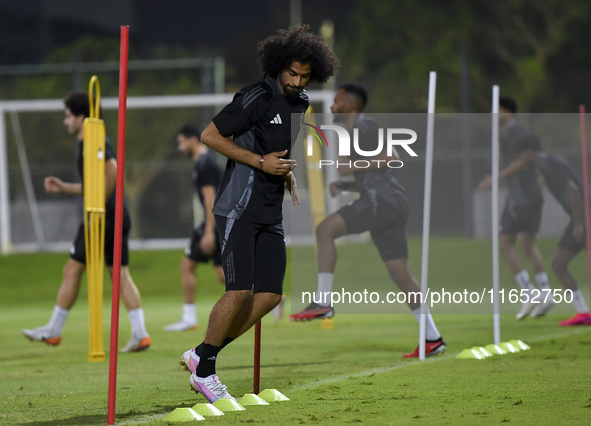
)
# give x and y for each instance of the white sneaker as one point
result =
(42, 334)
(190, 361)
(526, 308)
(542, 308)
(181, 326)
(210, 387)
(136, 345)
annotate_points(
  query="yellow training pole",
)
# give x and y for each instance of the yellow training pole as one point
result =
(94, 220)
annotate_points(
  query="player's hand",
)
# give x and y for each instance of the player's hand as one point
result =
(53, 185)
(275, 165)
(292, 186)
(579, 233)
(207, 243)
(485, 183)
(335, 189)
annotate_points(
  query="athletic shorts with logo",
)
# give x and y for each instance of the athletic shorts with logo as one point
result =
(253, 255)
(78, 249)
(521, 218)
(386, 221)
(194, 252)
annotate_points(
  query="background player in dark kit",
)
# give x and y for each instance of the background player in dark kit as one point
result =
(567, 187)
(77, 109)
(382, 209)
(523, 209)
(249, 200)
(204, 244)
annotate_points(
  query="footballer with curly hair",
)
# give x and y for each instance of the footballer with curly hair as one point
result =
(254, 132)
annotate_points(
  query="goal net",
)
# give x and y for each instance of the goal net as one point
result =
(159, 191)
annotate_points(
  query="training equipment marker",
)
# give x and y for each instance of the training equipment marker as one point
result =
(118, 222)
(256, 380)
(427, 213)
(94, 219)
(495, 215)
(586, 186)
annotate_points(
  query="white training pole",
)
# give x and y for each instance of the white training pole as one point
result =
(427, 213)
(4, 199)
(495, 215)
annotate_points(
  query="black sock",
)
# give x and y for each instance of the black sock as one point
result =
(225, 343)
(206, 365)
(199, 348)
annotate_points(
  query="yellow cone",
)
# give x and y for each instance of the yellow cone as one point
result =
(252, 399)
(327, 324)
(183, 415)
(495, 349)
(470, 354)
(509, 347)
(519, 344)
(482, 351)
(272, 395)
(207, 410)
(228, 405)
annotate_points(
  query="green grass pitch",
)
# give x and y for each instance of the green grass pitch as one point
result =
(351, 374)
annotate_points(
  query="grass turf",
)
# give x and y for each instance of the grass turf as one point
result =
(351, 374)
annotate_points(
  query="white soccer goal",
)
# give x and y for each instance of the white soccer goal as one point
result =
(28, 224)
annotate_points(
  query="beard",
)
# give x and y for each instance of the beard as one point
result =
(291, 93)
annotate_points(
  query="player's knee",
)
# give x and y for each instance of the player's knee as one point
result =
(558, 266)
(187, 266)
(528, 249)
(73, 269)
(274, 299)
(324, 230)
(505, 245)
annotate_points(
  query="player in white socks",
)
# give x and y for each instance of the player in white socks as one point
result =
(77, 109)
(382, 209)
(205, 243)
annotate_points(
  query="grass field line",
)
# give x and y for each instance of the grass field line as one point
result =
(373, 371)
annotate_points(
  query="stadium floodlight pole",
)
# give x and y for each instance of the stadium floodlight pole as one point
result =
(256, 379)
(495, 215)
(427, 213)
(586, 187)
(118, 223)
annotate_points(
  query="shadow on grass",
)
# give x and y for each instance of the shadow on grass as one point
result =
(295, 364)
(101, 419)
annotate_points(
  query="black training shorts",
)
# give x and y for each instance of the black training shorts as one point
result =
(193, 251)
(568, 241)
(386, 222)
(518, 219)
(253, 255)
(78, 249)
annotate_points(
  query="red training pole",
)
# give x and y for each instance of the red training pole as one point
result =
(118, 223)
(256, 380)
(586, 188)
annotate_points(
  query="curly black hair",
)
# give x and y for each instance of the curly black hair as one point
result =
(277, 52)
(78, 103)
